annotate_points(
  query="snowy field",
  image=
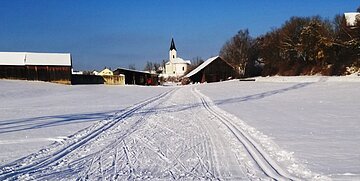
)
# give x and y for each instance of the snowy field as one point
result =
(316, 119)
(35, 114)
(284, 128)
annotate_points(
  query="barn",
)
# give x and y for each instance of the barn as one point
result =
(49, 67)
(137, 77)
(214, 69)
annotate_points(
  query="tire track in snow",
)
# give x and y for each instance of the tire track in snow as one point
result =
(261, 158)
(15, 169)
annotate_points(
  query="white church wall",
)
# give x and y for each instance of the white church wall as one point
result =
(180, 69)
(172, 55)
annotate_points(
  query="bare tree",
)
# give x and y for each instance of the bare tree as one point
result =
(148, 66)
(236, 51)
(156, 66)
(132, 67)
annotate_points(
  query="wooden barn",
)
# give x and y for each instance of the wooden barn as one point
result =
(214, 69)
(49, 67)
(137, 77)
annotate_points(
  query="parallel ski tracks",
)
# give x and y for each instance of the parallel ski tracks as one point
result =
(12, 170)
(266, 164)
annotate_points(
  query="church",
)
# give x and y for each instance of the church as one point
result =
(176, 66)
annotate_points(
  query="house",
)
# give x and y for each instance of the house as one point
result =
(94, 72)
(106, 71)
(214, 69)
(137, 77)
(106, 76)
(352, 19)
(176, 66)
(49, 67)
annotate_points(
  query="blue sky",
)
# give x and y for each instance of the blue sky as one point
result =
(119, 33)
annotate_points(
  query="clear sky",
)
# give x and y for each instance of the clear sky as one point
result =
(115, 33)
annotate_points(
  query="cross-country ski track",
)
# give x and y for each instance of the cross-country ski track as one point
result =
(178, 135)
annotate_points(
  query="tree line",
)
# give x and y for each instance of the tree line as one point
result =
(301, 46)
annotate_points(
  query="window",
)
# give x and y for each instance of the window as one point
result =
(183, 68)
(173, 56)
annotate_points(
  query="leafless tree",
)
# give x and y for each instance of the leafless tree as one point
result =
(132, 67)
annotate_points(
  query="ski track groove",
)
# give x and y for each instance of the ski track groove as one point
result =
(261, 158)
(54, 157)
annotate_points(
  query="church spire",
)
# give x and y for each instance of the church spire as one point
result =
(172, 46)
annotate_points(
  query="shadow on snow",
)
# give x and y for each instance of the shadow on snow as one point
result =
(50, 121)
(258, 96)
(57, 120)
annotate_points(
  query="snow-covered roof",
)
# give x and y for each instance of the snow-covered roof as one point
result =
(12, 58)
(179, 60)
(26, 58)
(132, 70)
(351, 18)
(200, 67)
(63, 59)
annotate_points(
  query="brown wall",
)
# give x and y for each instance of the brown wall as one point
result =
(12, 72)
(98, 79)
(216, 71)
(138, 78)
(87, 79)
(57, 74)
(114, 79)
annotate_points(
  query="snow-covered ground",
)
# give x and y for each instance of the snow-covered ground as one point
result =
(316, 119)
(299, 128)
(35, 114)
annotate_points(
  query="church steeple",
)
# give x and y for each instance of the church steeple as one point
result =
(172, 46)
(172, 51)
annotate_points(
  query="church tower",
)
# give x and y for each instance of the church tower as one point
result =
(172, 52)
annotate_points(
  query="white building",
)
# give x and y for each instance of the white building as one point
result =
(352, 18)
(176, 66)
(106, 71)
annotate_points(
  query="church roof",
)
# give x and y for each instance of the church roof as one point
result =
(172, 46)
(179, 60)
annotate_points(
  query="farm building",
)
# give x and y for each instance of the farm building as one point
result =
(98, 79)
(49, 67)
(137, 77)
(214, 69)
(105, 76)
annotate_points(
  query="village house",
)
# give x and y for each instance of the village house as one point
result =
(105, 76)
(352, 18)
(106, 71)
(176, 66)
(49, 67)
